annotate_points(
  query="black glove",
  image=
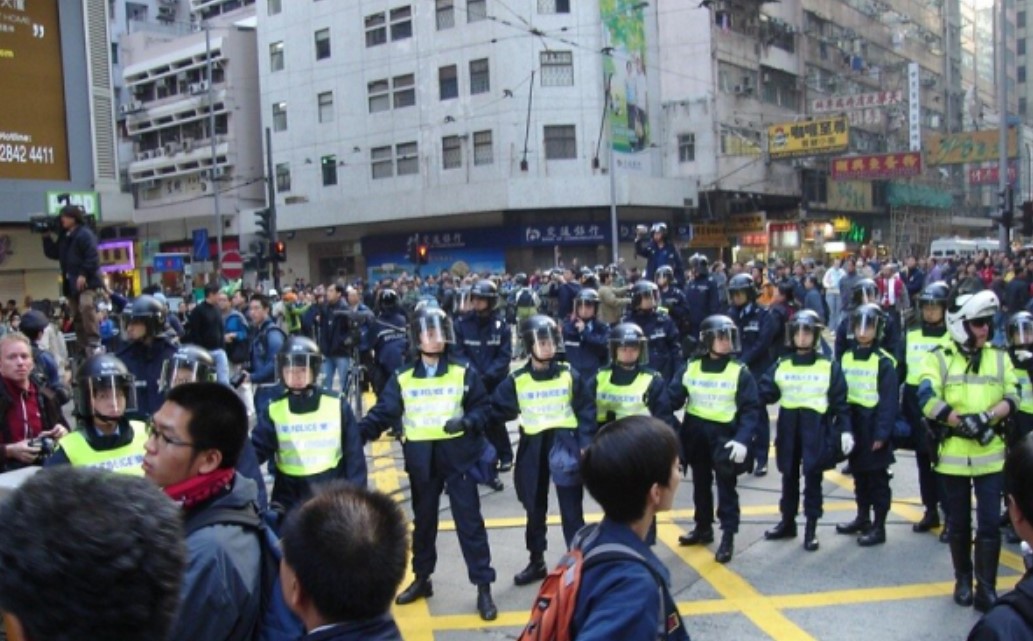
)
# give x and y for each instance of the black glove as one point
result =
(975, 427)
(456, 426)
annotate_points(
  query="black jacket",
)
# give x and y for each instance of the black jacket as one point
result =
(205, 328)
(76, 251)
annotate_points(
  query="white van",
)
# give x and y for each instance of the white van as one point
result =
(961, 247)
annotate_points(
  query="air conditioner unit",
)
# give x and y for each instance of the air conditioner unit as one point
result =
(158, 153)
(144, 155)
(188, 144)
(171, 148)
(199, 87)
(123, 110)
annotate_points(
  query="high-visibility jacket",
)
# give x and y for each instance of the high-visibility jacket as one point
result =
(622, 400)
(431, 402)
(918, 345)
(546, 404)
(862, 379)
(125, 459)
(309, 443)
(804, 386)
(712, 395)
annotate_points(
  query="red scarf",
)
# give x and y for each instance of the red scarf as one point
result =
(200, 488)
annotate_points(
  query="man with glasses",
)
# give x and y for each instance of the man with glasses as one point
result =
(106, 438)
(310, 433)
(193, 445)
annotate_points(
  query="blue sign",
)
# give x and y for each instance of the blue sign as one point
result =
(169, 263)
(201, 245)
(569, 234)
(684, 232)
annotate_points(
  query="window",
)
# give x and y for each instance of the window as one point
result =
(329, 165)
(686, 147)
(553, 6)
(283, 177)
(480, 78)
(451, 152)
(557, 68)
(476, 10)
(1020, 46)
(276, 56)
(325, 103)
(560, 142)
(114, 53)
(274, 7)
(322, 44)
(376, 29)
(401, 23)
(448, 82)
(482, 150)
(446, 15)
(382, 162)
(407, 160)
(279, 116)
(1021, 73)
(1020, 19)
(379, 95)
(1022, 106)
(404, 91)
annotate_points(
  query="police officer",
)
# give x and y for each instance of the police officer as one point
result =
(701, 295)
(1019, 336)
(722, 410)
(106, 438)
(584, 336)
(310, 433)
(967, 389)
(443, 409)
(872, 393)
(811, 391)
(389, 339)
(146, 352)
(865, 291)
(672, 300)
(628, 386)
(664, 345)
(485, 342)
(930, 333)
(556, 407)
(658, 252)
(758, 331)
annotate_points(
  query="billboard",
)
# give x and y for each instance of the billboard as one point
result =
(877, 166)
(33, 131)
(624, 73)
(808, 137)
(970, 146)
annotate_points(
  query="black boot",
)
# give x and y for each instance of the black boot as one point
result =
(698, 536)
(859, 525)
(786, 529)
(876, 535)
(810, 535)
(420, 588)
(961, 557)
(930, 520)
(535, 571)
(485, 604)
(726, 548)
(945, 534)
(987, 556)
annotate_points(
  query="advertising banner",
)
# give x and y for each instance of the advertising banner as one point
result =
(966, 147)
(808, 137)
(877, 166)
(624, 72)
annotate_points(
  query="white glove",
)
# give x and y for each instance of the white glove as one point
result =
(846, 441)
(1023, 355)
(738, 454)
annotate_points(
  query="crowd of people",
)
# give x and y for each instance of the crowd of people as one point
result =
(862, 356)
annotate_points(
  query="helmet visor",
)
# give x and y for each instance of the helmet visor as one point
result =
(298, 371)
(546, 344)
(801, 335)
(178, 370)
(112, 396)
(433, 333)
(629, 351)
(723, 340)
(1020, 332)
(866, 326)
(585, 308)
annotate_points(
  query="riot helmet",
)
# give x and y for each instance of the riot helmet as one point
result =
(628, 335)
(541, 337)
(149, 311)
(106, 389)
(868, 319)
(586, 300)
(932, 302)
(643, 291)
(431, 331)
(720, 329)
(189, 364)
(804, 321)
(298, 363)
(1019, 331)
(742, 284)
(864, 291)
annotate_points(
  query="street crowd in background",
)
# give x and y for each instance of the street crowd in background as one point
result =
(863, 355)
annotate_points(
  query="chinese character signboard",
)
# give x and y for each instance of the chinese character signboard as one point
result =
(989, 175)
(967, 147)
(834, 104)
(849, 195)
(914, 110)
(808, 137)
(576, 234)
(877, 166)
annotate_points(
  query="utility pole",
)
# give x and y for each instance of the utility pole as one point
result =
(271, 196)
(214, 153)
(1002, 130)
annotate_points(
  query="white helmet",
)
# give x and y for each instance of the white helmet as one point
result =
(969, 307)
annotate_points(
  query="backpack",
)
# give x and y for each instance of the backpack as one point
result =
(553, 610)
(525, 298)
(239, 351)
(1019, 601)
(276, 622)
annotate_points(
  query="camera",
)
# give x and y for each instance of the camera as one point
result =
(238, 379)
(44, 224)
(46, 444)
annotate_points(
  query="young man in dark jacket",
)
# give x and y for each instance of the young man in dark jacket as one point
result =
(76, 250)
(206, 329)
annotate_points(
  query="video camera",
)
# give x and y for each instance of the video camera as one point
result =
(351, 322)
(44, 224)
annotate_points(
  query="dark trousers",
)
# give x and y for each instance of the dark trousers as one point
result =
(466, 511)
(988, 489)
(872, 492)
(572, 515)
(762, 439)
(930, 484)
(498, 436)
(789, 504)
(703, 494)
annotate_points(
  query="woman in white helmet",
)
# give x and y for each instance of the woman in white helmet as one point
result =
(966, 390)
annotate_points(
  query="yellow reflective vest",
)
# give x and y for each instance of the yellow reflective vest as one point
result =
(711, 395)
(430, 402)
(918, 346)
(804, 386)
(546, 404)
(127, 459)
(966, 392)
(862, 378)
(1025, 391)
(310, 443)
(622, 400)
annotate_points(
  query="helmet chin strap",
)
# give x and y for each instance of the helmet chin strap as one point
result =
(106, 418)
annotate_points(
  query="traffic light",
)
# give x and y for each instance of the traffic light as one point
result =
(1027, 218)
(422, 254)
(265, 223)
(278, 251)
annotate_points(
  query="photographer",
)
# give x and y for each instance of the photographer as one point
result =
(76, 250)
(29, 415)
